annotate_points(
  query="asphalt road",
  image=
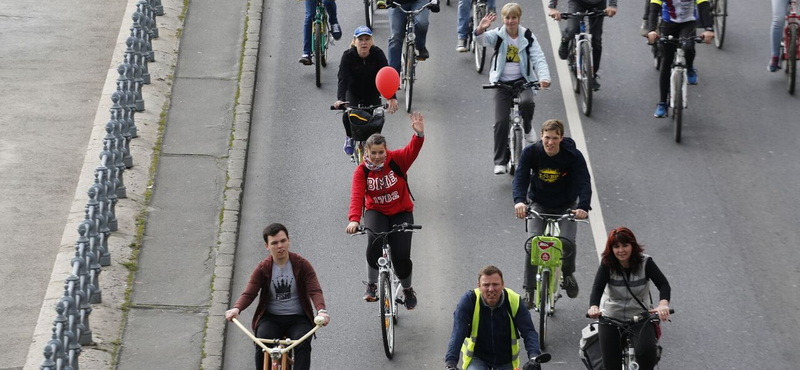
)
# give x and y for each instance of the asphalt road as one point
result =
(53, 62)
(713, 211)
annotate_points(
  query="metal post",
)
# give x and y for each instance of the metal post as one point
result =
(159, 8)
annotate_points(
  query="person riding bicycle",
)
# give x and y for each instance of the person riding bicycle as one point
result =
(311, 10)
(552, 173)
(287, 286)
(678, 19)
(573, 27)
(622, 282)
(462, 27)
(517, 59)
(357, 70)
(488, 339)
(380, 186)
(397, 26)
(776, 32)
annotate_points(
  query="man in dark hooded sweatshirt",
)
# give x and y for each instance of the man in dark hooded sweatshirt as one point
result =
(553, 176)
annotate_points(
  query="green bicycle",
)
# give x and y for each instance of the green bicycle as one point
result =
(546, 254)
(320, 40)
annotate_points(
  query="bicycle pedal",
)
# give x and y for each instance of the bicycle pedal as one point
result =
(399, 301)
(421, 59)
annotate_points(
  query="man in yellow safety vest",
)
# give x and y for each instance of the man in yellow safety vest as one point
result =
(487, 325)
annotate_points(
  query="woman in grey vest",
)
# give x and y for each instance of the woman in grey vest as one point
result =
(622, 282)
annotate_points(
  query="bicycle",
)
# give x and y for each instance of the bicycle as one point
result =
(280, 357)
(477, 12)
(678, 80)
(390, 292)
(719, 10)
(515, 132)
(790, 46)
(320, 41)
(409, 55)
(362, 127)
(581, 63)
(626, 329)
(547, 257)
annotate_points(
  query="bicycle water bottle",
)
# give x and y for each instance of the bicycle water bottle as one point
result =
(583, 27)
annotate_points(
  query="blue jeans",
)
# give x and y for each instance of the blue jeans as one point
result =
(463, 16)
(311, 10)
(397, 25)
(778, 16)
(477, 364)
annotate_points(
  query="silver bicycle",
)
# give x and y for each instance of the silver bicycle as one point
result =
(390, 292)
(409, 56)
(678, 80)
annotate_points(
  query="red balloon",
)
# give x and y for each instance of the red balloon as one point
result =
(387, 81)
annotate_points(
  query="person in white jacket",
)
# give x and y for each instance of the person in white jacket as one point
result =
(518, 57)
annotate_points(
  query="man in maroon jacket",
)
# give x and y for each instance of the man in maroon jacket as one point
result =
(288, 287)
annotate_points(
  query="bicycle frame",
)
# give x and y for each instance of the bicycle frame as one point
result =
(321, 18)
(678, 69)
(277, 356)
(581, 38)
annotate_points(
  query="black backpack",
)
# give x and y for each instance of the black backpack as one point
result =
(396, 168)
(528, 36)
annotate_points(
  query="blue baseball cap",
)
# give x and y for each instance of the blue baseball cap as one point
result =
(362, 30)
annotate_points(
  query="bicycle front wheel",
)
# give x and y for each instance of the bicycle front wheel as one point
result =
(573, 68)
(720, 15)
(791, 58)
(478, 12)
(677, 109)
(409, 74)
(387, 307)
(588, 79)
(515, 146)
(369, 12)
(318, 53)
(544, 299)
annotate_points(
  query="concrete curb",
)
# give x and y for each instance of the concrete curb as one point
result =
(106, 318)
(214, 339)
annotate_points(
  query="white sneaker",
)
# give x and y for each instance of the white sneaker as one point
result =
(461, 47)
(530, 137)
(499, 169)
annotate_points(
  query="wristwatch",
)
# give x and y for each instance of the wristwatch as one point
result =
(710, 29)
(322, 311)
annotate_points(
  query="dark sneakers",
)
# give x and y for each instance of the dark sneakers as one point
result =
(411, 298)
(423, 54)
(563, 49)
(371, 294)
(305, 59)
(570, 285)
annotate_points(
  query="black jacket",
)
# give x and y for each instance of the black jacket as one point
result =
(555, 182)
(357, 74)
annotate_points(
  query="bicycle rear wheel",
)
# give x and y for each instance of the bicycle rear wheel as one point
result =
(318, 53)
(478, 12)
(544, 290)
(369, 12)
(387, 304)
(326, 38)
(720, 14)
(677, 109)
(409, 74)
(588, 79)
(791, 58)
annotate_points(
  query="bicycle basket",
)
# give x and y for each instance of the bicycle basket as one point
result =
(545, 251)
(363, 124)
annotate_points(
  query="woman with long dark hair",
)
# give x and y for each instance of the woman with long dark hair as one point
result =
(622, 281)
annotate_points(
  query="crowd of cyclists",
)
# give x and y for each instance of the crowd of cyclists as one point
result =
(551, 177)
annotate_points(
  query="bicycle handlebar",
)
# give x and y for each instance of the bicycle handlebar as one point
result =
(392, 4)
(679, 40)
(368, 107)
(588, 13)
(514, 87)
(319, 320)
(650, 316)
(567, 216)
(404, 227)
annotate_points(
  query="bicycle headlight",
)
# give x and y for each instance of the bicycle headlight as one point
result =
(411, 36)
(517, 119)
(382, 261)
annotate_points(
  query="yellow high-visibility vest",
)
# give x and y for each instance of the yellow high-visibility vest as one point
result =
(468, 348)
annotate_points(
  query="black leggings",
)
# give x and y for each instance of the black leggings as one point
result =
(595, 26)
(644, 344)
(354, 101)
(290, 326)
(676, 30)
(400, 242)
(503, 100)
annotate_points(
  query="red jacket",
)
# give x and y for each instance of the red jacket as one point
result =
(387, 192)
(307, 286)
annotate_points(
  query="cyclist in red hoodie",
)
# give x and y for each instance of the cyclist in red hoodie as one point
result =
(379, 185)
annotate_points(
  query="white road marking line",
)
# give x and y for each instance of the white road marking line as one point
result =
(576, 130)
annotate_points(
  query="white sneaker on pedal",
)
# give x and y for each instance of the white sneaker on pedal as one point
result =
(530, 137)
(499, 169)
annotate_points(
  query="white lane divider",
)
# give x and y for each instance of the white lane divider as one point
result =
(576, 130)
